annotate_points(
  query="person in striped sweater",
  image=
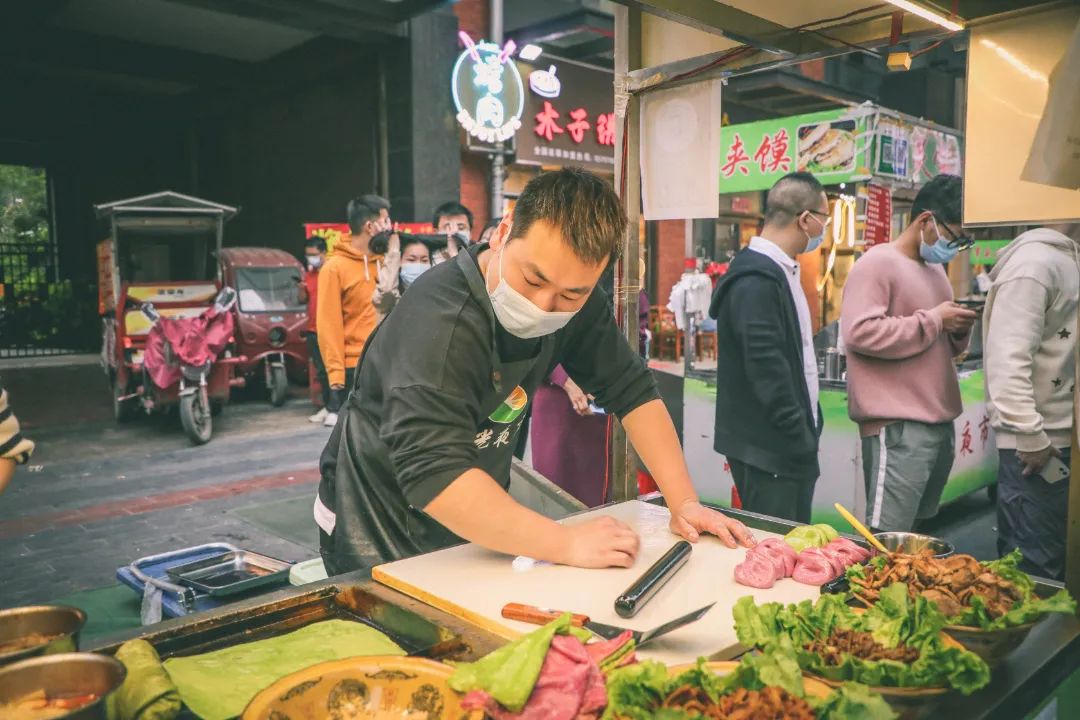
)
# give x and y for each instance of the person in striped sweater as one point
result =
(14, 448)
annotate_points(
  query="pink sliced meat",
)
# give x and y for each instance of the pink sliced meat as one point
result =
(859, 554)
(813, 570)
(570, 683)
(756, 571)
(831, 557)
(777, 560)
(778, 546)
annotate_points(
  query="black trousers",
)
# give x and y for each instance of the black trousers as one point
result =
(1032, 515)
(320, 369)
(776, 495)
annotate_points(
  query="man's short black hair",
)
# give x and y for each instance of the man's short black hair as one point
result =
(581, 206)
(448, 209)
(943, 196)
(319, 243)
(363, 209)
(791, 196)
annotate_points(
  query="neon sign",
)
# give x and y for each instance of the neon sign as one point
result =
(544, 83)
(488, 92)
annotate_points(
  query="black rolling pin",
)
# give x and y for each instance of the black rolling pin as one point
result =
(643, 589)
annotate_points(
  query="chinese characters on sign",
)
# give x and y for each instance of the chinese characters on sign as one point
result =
(569, 107)
(488, 92)
(736, 159)
(773, 152)
(878, 215)
(547, 127)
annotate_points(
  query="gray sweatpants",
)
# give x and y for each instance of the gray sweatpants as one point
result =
(905, 468)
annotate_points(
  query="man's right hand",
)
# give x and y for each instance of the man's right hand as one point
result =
(955, 319)
(600, 543)
(1034, 462)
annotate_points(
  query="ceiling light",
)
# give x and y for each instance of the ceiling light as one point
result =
(530, 52)
(927, 14)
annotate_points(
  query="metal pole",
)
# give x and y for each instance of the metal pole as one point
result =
(498, 167)
(383, 162)
(628, 180)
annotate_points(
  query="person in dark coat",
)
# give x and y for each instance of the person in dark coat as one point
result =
(767, 414)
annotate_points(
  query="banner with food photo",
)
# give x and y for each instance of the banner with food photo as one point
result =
(832, 145)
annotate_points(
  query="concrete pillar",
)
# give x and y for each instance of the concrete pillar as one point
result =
(422, 135)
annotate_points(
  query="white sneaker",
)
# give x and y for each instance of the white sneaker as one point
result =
(330, 420)
(319, 416)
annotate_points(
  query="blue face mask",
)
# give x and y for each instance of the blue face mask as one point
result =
(411, 271)
(813, 243)
(939, 252)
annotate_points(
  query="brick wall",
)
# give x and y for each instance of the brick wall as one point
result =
(475, 170)
(472, 17)
(670, 253)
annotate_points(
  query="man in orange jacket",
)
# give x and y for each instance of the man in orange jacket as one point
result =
(345, 314)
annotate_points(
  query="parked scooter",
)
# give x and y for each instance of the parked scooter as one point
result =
(182, 364)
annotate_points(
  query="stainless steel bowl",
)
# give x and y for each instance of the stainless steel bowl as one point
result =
(59, 621)
(911, 543)
(64, 674)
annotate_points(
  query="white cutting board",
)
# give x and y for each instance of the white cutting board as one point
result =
(473, 583)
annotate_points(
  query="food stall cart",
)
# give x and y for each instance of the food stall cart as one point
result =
(435, 614)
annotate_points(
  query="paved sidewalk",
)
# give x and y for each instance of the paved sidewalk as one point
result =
(100, 495)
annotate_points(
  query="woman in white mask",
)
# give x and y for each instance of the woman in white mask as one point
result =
(402, 268)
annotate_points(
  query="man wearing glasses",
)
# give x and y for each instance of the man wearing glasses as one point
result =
(902, 330)
(767, 415)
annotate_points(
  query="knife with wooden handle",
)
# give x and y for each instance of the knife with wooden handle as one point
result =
(539, 616)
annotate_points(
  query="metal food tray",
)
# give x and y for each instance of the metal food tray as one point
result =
(230, 573)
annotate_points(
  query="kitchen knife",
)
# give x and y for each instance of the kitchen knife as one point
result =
(542, 616)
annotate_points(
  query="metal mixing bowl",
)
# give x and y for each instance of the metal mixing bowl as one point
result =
(65, 674)
(55, 620)
(911, 543)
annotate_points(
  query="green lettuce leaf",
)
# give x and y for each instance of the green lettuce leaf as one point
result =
(894, 620)
(509, 673)
(853, 701)
(636, 690)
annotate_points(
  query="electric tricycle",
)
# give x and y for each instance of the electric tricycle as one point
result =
(270, 317)
(166, 343)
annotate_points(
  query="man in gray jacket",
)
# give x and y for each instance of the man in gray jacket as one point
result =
(1030, 329)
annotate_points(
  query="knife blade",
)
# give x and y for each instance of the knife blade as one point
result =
(542, 616)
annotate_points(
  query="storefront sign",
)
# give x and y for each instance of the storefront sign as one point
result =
(985, 252)
(488, 92)
(933, 153)
(893, 147)
(568, 117)
(878, 225)
(829, 144)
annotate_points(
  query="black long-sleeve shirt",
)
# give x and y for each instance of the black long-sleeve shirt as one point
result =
(442, 388)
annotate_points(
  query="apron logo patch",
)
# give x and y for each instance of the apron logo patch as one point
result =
(511, 407)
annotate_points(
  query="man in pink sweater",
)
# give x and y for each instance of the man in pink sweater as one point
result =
(902, 330)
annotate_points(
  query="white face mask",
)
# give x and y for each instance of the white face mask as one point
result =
(518, 315)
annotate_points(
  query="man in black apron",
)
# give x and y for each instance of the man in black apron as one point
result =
(420, 457)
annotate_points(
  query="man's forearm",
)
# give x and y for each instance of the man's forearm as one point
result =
(653, 435)
(476, 508)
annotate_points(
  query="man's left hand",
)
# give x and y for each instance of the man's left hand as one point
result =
(692, 518)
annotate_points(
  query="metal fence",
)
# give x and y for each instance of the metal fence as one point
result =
(41, 314)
